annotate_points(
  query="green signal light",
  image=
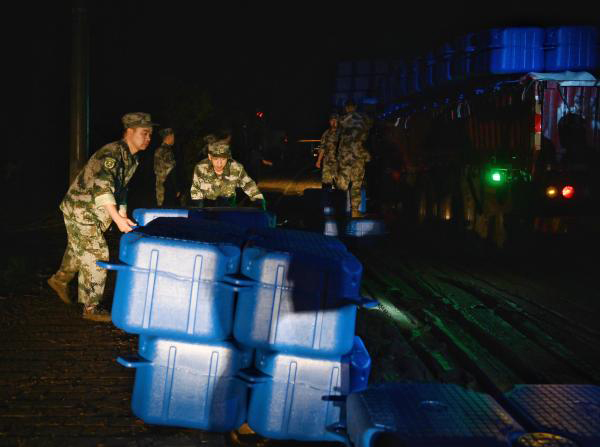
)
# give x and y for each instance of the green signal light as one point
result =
(496, 176)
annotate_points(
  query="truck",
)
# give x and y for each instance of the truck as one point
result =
(504, 150)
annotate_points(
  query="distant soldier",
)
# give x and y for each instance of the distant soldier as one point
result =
(90, 206)
(164, 162)
(327, 156)
(352, 155)
(219, 175)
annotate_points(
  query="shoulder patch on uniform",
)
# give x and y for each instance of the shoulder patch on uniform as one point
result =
(109, 163)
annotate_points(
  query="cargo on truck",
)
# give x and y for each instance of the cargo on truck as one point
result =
(480, 134)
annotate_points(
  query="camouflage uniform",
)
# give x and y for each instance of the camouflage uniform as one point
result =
(329, 142)
(352, 155)
(164, 162)
(102, 181)
(208, 185)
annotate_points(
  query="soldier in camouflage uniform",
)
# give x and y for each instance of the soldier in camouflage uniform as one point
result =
(164, 162)
(327, 155)
(352, 155)
(219, 175)
(90, 206)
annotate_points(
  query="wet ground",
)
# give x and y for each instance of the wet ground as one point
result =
(451, 309)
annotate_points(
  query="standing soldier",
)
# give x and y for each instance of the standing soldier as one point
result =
(328, 145)
(90, 206)
(219, 175)
(352, 155)
(164, 162)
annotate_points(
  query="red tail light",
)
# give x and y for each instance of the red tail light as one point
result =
(568, 192)
(537, 124)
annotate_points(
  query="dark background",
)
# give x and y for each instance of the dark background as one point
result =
(198, 66)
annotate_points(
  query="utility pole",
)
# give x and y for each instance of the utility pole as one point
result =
(80, 101)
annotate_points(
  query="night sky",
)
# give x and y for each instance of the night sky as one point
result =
(277, 56)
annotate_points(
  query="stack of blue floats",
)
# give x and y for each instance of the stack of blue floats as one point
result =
(524, 49)
(239, 322)
(491, 52)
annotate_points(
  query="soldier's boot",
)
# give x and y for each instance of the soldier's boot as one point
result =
(59, 282)
(94, 313)
(244, 436)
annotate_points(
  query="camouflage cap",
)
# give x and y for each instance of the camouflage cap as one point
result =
(334, 116)
(137, 119)
(219, 149)
(210, 138)
(350, 103)
(166, 131)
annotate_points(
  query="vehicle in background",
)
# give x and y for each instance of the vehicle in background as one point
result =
(481, 135)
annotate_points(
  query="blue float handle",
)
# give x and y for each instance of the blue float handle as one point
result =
(132, 361)
(111, 266)
(362, 301)
(120, 266)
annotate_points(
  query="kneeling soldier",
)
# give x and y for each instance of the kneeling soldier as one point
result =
(219, 175)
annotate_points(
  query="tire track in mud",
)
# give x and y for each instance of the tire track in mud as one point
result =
(570, 339)
(481, 285)
(486, 333)
(571, 346)
(421, 359)
(446, 334)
